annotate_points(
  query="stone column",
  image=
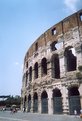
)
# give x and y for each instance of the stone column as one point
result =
(39, 103)
(33, 74)
(39, 70)
(49, 68)
(62, 64)
(78, 50)
(50, 106)
(80, 91)
(21, 103)
(65, 102)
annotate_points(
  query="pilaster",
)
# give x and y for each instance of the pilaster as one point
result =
(50, 106)
(65, 102)
(62, 64)
(49, 72)
(78, 49)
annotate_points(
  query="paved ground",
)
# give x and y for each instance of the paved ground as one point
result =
(19, 116)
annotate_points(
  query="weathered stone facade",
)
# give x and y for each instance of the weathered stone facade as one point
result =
(52, 82)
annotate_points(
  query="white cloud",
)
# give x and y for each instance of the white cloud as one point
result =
(71, 4)
(16, 63)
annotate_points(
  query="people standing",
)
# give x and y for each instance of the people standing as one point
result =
(75, 112)
(23, 110)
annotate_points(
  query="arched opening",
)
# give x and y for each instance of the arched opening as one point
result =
(74, 100)
(44, 102)
(36, 70)
(29, 103)
(44, 66)
(30, 73)
(27, 64)
(70, 59)
(55, 66)
(56, 45)
(57, 101)
(35, 102)
(53, 47)
(25, 99)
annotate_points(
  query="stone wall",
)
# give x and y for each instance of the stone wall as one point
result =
(59, 50)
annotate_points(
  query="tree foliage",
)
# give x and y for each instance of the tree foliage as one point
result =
(8, 102)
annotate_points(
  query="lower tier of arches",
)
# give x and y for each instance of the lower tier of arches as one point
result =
(54, 101)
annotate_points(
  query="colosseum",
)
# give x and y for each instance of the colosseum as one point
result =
(52, 74)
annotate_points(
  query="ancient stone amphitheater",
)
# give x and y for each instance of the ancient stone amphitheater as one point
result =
(52, 74)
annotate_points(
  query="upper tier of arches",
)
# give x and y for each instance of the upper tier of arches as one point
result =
(55, 32)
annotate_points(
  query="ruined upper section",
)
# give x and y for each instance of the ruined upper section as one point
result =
(55, 32)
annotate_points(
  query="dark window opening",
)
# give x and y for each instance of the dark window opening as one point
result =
(56, 93)
(70, 59)
(44, 95)
(74, 100)
(36, 54)
(44, 66)
(44, 102)
(29, 97)
(25, 99)
(55, 67)
(57, 101)
(56, 45)
(73, 91)
(53, 48)
(54, 31)
(26, 64)
(36, 46)
(30, 74)
(36, 70)
(35, 96)
(29, 103)
(35, 102)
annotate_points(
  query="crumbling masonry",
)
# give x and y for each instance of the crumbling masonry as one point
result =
(52, 75)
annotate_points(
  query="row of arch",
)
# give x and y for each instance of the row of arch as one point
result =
(70, 59)
(36, 69)
(57, 101)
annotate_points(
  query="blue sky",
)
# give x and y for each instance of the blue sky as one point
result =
(21, 23)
